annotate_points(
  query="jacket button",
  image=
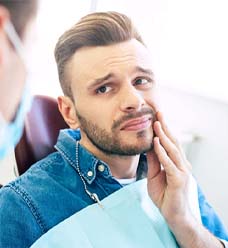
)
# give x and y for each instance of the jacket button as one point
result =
(101, 167)
(89, 173)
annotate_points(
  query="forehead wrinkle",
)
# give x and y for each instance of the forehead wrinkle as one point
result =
(107, 66)
(115, 60)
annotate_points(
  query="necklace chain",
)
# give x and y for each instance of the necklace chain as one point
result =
(93, 196)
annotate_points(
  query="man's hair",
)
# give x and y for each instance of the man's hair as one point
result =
(21, 12)
(96, 29)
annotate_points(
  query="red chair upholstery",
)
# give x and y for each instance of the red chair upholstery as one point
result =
(40, 134)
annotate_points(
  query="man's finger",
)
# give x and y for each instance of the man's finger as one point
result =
(171, 150)
(154, 166)
(167, 131)
(161, 119)
(168, 165)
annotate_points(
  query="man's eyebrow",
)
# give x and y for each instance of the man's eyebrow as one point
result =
(98, 81)
(147, 71)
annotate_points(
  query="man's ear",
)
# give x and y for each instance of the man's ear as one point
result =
(67, 109)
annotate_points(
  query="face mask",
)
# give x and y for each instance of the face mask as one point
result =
(10, 133)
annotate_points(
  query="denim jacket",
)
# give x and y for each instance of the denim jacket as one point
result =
(55, 188)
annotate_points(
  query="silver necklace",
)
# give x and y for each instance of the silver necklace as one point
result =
(93, 196)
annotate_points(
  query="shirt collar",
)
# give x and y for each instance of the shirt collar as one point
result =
(88, 163)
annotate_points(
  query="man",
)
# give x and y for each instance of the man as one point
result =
(16, 19)
(106, 75)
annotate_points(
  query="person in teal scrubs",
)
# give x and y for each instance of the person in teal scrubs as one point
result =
(117, 137)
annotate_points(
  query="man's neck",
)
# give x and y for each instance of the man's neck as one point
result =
(120, 166)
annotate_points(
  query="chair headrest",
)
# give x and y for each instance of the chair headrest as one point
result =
(41, 130)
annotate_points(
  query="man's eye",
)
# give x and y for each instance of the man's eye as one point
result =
(141, 81)
(103, 89)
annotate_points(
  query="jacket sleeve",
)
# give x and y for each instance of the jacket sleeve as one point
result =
(18, 226)
(210, 219)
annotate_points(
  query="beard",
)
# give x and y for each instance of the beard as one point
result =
(110, 143)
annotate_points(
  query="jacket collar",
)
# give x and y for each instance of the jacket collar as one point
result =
(88, 163)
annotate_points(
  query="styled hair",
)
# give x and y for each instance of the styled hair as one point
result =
(21, 12)
(96, 29)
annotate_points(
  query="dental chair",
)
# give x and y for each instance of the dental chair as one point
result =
(40, 134)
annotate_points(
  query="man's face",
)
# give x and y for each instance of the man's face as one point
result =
(113, 88)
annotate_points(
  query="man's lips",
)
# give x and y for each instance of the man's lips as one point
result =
(137, 123)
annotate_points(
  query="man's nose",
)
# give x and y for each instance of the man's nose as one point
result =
(131, 99)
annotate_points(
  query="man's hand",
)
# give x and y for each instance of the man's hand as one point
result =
(168, 173)
(169, 183)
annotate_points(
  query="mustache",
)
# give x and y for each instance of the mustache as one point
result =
(146, 111)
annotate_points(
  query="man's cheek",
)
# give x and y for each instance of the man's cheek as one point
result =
(153, 104)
